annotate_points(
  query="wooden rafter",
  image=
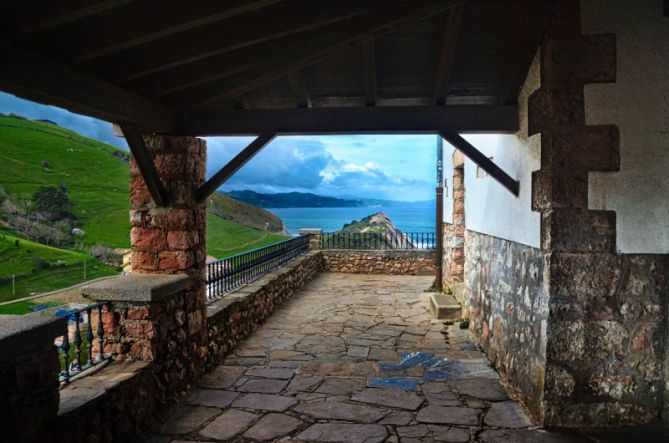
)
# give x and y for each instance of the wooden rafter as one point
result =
(298, 85)
(233, 166)
(221, 38)
(279, 63)
(34, 77)
(145, 165)
(446, 55)
(385, 119)
(369, 71)
(42, 16)
(530, 33)
(482, 161)
(150, 23)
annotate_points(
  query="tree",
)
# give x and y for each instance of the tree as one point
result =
(52, 202)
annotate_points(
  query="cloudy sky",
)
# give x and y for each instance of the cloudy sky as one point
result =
(368, 166)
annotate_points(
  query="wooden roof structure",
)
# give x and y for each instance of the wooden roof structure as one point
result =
(216, 67)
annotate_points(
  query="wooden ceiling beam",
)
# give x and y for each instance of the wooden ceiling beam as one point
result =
(21, 20)
(145, 164)
(34, 77)
(233, 166)
(204, 42)
(446, 60)
(462, 145)
(369, 71)
(148, 23)
(298, 85)
(351, 120)
(530, 33)
(281, 63)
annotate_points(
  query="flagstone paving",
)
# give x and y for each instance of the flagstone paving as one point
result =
(354, 358)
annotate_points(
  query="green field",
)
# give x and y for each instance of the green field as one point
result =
(226, 238)
(40, 268)
(96, 175)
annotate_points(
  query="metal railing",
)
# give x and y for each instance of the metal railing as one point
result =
(76, 349)
(232, 272)
(378, 240)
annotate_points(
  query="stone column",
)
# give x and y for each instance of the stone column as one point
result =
(592, 374)
(29, 368)
(162, 318)
(457, 242)
(315, 235)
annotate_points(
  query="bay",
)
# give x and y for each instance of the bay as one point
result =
(414, 217)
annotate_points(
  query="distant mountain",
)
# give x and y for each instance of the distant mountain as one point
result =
(307, 200)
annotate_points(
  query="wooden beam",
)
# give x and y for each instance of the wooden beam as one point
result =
(34, 77)
(279, 64)
(26, 18)
(147, 23)
(219, 38)
(446, 55)
(351, 120)
(529, 35)
(298, 85)
(233, 166)
(482, 161)
(145, 165)
(369, 71)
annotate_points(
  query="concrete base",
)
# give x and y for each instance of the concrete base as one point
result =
(445, 306)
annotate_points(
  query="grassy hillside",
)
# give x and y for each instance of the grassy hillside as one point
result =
(243, 213)
(39, 268)
(225, 238)
(96, 179)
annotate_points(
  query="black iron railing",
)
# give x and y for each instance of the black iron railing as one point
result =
(232, 272)
(76, 347)
(378, 240)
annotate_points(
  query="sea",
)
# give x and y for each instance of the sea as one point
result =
(414, 217)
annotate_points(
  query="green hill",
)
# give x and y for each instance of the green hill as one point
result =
(35, 154)
(39, 268)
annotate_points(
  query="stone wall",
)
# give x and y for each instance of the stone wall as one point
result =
(417, 262)
(606, 335)
(506, 300)
(29, 370)
(235, 316)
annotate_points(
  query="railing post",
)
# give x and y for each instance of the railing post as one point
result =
(315, 235)
(29, 370)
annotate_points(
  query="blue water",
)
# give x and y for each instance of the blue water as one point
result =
(410, 218)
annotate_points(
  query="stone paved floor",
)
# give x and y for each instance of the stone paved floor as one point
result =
(354, 358)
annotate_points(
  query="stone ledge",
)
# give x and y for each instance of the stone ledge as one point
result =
(19, 333)
(95, 386)
(136, 288)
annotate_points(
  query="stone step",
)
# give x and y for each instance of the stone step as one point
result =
(445, 306)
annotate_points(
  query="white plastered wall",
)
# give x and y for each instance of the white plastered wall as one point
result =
(639, 104)
(489, 207)
(448, 183)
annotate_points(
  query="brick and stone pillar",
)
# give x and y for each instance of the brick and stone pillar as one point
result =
(457, 241)
(158, 313)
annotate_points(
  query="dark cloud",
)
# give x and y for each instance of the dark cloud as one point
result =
(286, 163)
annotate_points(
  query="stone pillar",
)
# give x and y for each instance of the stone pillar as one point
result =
(594, 376)
(29, 368)
(315, 235)
(457, 242)
(162, 319)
